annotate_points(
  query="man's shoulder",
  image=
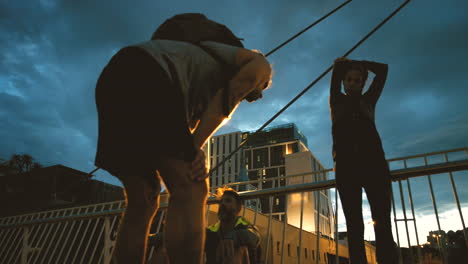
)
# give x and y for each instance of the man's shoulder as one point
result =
(214, 227)
(243, 223)
(163, 44)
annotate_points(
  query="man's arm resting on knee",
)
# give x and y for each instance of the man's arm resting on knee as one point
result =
(247, 237)
(255, 71)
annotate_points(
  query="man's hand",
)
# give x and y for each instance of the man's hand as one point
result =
(199, 169)
(225, 251)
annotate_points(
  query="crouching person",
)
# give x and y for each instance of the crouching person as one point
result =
(232, 240)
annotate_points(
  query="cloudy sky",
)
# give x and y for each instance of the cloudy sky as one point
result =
(52, 52)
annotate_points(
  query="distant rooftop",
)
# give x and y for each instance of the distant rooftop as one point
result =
(277, 134)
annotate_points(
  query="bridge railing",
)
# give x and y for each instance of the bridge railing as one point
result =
(87, 234)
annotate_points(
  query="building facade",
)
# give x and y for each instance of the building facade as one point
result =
(217, 148)
(272, 153)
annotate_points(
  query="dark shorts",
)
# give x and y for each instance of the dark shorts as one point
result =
(141, 115)
(362, 170)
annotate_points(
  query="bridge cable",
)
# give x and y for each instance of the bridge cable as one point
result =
(308, 87)
(90, 174)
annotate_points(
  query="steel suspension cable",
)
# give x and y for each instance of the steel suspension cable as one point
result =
(309, 86)
(307, 28)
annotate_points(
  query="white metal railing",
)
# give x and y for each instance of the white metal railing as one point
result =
(87, 234)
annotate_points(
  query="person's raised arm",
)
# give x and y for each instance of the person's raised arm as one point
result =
(254, 72)
(380, 70)
(337, 77)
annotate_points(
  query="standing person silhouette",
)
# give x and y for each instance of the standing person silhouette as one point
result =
(158, 102)
(359, 156)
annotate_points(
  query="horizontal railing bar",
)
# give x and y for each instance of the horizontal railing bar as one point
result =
(330, 170)
(403, 174)
(247, 195)
(279, 177)
(428, 154)
(402, 220)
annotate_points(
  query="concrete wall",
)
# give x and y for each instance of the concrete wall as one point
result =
(309, 241)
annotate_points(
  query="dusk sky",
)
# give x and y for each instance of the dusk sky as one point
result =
(52, 52)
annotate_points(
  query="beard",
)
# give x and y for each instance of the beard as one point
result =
(253, 96)
(224, 214)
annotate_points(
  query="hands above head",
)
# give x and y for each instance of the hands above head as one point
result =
(342, 59)
(199, 170)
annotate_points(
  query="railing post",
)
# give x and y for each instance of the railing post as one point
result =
(317, 227)
(414, 217)
(161, 217)
(457, 201)
(108, 241)
(418, 250)
(400, 256)
(337, 257)
(285, 220)
(26, 248)
(270, 201)
(301, 219)
(405, 218)
(434, 204)
(257, 201)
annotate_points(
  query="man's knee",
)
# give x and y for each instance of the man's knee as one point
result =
(197, 191)
(142, 194)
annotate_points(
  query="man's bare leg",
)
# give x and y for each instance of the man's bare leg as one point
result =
(185, 222)
(142, 203)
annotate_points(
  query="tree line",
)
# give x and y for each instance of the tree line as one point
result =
(18, 163)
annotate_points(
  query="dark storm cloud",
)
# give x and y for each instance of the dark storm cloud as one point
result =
(53, 51)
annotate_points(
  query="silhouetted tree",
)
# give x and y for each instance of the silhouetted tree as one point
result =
(20, 163)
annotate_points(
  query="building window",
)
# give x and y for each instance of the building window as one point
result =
(248, 159)
(260, 158)
(230, 141)
(222, 180)
(305, 252)
(216, 181)
(289, 250)
(313, 254)
(277, 201)
(277, 155)
(278, 244)
(292, 148)
(217, 146)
